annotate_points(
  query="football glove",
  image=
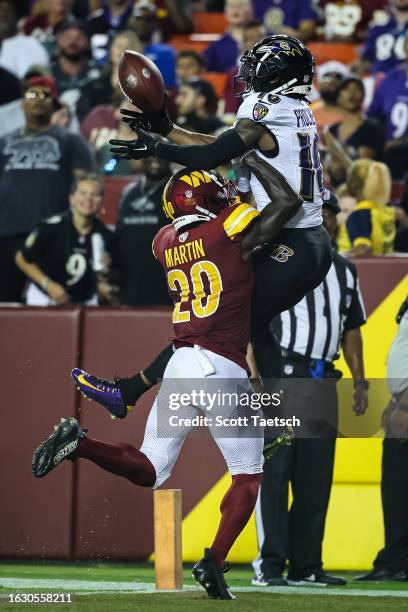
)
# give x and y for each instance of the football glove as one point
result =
(143, 146)
(157, 121)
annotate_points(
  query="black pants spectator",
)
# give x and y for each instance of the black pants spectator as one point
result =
(394, 490)
(12, 279)
(297, 535)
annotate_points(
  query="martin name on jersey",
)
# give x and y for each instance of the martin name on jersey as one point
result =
(292, 126)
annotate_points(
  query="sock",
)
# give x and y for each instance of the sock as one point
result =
(120, 459)
(132, 388)
(236, 509)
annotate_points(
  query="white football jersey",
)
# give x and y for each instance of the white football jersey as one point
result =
(293, 127)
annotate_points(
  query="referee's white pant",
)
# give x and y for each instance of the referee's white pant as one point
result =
(197, 368)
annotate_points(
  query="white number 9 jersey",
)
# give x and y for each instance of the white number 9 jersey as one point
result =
(292, 126)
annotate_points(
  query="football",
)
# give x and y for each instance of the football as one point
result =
(141, 81)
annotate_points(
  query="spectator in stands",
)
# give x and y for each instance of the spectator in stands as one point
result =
(144, 21)
(326, 110)
(174, 17)
(10, 87)
(101, 123)
(292, 17)
(103, 95)
(390, 107)
(189, 65)
(356, 136)
(75, 71)
(222, 54)
(45, 25)
(254, 31)
(370, 227)
(384, 46)
(104, 23)
(37, 166)
(107, 163)
(18, 52)
(140, 217)
(127, 39)
(348, 20)
(68, 257)
(195, 102)
(361, 136)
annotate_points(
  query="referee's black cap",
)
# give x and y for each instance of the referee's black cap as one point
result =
(330, 201)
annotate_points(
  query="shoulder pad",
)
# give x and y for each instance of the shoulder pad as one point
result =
(238, 219)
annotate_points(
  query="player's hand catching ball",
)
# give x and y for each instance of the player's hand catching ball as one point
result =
(151, 121)
(143, 146)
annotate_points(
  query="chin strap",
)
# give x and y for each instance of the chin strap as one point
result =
(188, 219)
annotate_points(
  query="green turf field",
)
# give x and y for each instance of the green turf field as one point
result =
(99, 587)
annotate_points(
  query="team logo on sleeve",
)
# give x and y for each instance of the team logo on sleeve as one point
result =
(260, 111)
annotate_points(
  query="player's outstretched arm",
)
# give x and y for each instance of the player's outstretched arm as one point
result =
(285, 202)
(159, 122)
(230, 144)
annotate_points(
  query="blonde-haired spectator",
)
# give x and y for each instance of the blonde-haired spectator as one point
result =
(371, 226)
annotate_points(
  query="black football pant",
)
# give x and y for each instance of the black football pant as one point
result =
(12, 279)
(295, 264)
(394, 491)
(296, 534)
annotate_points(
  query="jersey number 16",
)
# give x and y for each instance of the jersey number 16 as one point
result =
(309, 162)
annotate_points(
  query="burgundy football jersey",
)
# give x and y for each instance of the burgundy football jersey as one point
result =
(209, 282)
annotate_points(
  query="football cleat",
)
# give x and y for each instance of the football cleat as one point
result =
(62, 444)
(103, 391)
(211, 577)
(267, 580)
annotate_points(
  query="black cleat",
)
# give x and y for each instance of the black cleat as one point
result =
(383, 575)
(211, 577)
(62, 444)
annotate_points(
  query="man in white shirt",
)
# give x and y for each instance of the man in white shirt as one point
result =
(18, 52)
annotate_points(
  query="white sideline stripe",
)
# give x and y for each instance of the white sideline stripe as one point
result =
(92, 586)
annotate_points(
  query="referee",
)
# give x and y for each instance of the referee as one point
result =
(310, 335)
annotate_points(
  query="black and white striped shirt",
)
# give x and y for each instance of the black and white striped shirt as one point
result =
(314, 327)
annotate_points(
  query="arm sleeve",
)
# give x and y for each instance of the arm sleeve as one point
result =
(36, 243)
(356, 315)
(204, 157)
(82, 158)
(359, 227)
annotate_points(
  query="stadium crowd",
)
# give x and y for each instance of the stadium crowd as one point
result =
(60, 102)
